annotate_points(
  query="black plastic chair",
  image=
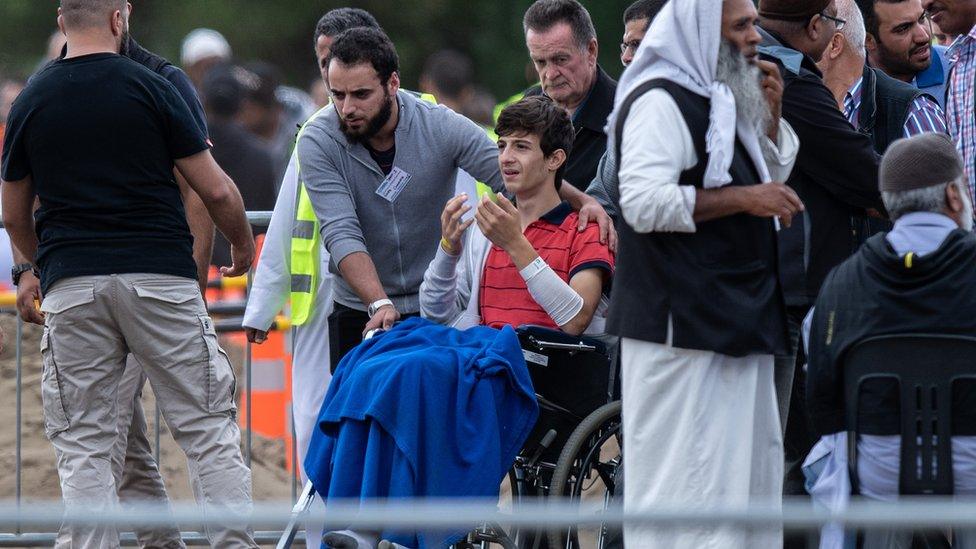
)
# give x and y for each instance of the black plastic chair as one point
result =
(925, 367)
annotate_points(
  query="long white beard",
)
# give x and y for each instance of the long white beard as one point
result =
(745, 81)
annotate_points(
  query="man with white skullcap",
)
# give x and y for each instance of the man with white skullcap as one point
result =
(696, 299)
(201, 50)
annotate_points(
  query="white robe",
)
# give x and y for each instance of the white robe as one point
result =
(700, 427)
(270, 290)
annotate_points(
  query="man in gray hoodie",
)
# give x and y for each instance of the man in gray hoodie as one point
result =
(378, 168)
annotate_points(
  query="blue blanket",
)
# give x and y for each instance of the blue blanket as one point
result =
(423, 411)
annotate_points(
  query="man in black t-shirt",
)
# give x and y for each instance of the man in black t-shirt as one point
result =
(95, 137)
(135, 468)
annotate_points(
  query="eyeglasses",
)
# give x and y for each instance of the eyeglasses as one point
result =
(838, 22)
(632, 45)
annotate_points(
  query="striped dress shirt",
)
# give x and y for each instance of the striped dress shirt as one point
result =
(959, 105)
(924, 115)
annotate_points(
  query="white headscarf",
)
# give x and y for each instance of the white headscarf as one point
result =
(682, 46)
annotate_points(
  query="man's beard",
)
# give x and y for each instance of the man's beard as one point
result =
(745, 81)
(373, 126)
(901, 62)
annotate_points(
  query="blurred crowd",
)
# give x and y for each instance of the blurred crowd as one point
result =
(253, 116)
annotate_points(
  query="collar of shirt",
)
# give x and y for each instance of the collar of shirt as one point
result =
(555, 216)
(920, 232)
(595, 109)
(772, 40)
(935, 74)
(962, 45)
(852, 101)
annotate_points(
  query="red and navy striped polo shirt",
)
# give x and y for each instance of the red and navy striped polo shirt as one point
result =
(504, 298)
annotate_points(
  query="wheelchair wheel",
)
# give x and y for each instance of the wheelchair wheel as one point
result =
(587, 472)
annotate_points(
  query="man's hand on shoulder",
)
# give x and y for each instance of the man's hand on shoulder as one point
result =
(592, 209)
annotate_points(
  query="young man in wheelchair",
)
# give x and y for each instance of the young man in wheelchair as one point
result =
(526, 262)
(398, 421)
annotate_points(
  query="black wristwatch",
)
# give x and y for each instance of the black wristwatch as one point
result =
(20, 269)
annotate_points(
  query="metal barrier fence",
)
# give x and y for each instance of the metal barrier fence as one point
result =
(908, 514)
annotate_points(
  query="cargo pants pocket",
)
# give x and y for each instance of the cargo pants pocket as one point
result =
(221, 381)
(52, 397)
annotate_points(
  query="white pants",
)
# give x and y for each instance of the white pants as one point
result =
(699, 428)
(310, 381)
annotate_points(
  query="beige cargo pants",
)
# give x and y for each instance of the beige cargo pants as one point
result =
(91, 325)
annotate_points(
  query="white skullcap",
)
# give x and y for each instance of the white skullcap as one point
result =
(204, 43)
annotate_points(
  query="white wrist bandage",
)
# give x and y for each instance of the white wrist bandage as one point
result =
(555, 296)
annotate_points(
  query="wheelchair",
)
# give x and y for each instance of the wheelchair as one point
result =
(574, 450)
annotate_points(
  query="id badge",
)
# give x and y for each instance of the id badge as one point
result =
(393, 185)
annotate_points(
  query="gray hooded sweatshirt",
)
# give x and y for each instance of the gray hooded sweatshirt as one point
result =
(400, 231)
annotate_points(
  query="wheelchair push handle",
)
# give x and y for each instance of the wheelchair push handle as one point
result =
(543, 338)
(577, 347)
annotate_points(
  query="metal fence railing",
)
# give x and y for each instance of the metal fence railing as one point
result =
(269, 518)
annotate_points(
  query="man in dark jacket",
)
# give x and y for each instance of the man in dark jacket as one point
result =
(879, 106)
(917, 278)
(836, 175)
(883, 108)
(562, 43)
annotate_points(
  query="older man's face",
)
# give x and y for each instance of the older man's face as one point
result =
(739, 27)
(952, 16)
(566, 71)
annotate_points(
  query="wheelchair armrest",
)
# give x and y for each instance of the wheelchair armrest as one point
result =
(543, 338)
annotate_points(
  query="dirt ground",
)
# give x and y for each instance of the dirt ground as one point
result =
(40, 480)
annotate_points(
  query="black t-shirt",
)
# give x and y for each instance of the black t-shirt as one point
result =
(159, 65)
(174, 75)
(384, 159)
(98, 135)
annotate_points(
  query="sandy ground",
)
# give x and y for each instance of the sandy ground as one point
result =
(39, 474)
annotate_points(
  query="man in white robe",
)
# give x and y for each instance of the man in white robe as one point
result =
(697, 302)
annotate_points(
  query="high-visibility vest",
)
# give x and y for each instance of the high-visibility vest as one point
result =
(304, 247)
(501, 106)
(305, 241)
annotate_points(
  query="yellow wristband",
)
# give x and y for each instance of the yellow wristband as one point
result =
(447, 246)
